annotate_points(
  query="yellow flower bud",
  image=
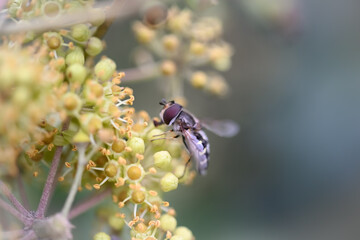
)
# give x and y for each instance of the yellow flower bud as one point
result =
(184, 232)
(118, 145)
(162, 159)
(135, 172)
(197, 48)
(81, 137)
(111, 169)
(138, 196)
(167, 222)
(177, 237)
(116, 223)
(168, 68)
(198, 79)
(101, 236)
(54, 40)
(169, 182)
(170, 42)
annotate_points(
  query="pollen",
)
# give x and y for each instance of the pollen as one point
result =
(140, 227)
(153, 193)
(96, 186)
(67, 164)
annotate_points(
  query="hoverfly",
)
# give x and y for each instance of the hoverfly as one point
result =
(190, 128)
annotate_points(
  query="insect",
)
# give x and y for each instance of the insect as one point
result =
(190, 128)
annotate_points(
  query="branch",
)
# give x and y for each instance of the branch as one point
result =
(50, 185)
(6, 206)
(44, 23)
(89, 203)
(22, 192)
(77, 181)
(19, 207)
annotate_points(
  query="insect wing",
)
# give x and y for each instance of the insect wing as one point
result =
(199, 149)
(222, 128)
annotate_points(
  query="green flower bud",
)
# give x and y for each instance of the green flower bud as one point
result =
(105, 69)
(169, 182)
(101, 236)
(153, 135)
(167, 222)
(76, 73)
(137, 145)
(138, 196)
(75, 56)
(184, 232)
(94, 46)
(162, 159)
(116, 223)
(71, 101)
(80, 32)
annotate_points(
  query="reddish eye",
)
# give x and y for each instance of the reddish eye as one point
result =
(171, 113)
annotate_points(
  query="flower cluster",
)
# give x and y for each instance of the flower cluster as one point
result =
(55, 95)
(186, 46)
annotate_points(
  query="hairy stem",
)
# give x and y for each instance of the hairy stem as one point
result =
(76, 183)
(22, 192)
(50, 185)
(14, 212)
(6, 191)
(89, 203)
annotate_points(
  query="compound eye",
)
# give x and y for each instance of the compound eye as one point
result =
(171, 112)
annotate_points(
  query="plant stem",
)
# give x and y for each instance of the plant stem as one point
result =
(14, 212)
(89, 203)
(22, 192)
(29, 235)
(19, 207)
(16, 234)
(50, 185)
(79, 171)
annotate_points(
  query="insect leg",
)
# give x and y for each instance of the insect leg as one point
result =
(186, 165)
(170, 138)
(157, 122)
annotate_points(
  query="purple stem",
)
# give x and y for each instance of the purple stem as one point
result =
(50, 181)
(6, 191)
(22, 192)
(14, 212)
(88, 203)
(29, 235)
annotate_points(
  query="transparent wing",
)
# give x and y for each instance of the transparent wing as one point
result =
(222, 128)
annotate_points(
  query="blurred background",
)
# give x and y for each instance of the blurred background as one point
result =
(293, 170)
